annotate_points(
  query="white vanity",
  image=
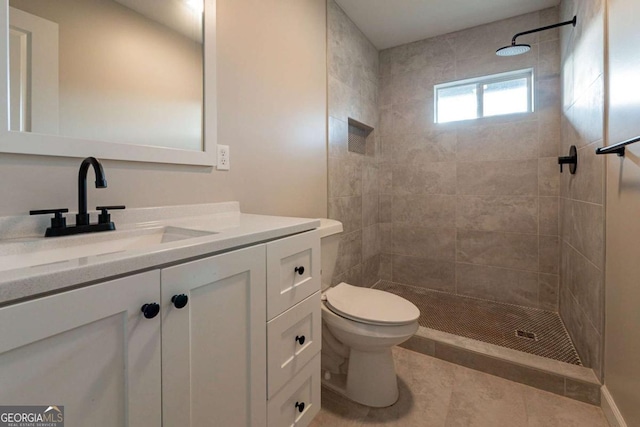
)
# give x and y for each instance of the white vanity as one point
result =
(233, 341)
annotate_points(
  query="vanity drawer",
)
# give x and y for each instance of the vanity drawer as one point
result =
(293, 271)
(285, 409)
(293, 339)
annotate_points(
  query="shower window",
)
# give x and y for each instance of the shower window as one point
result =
(498, 94)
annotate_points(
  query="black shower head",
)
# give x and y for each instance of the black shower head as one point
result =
(513, 50)
(518, 49)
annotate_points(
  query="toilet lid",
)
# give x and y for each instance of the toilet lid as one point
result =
(370, 305)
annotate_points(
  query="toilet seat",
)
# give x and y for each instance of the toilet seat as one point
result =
(370, 306)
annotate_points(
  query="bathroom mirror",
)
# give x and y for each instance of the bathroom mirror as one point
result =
(114, 79)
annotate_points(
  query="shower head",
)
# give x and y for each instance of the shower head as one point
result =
(513, 50)
(518, 49)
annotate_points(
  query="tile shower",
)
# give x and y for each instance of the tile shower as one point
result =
(469, 208)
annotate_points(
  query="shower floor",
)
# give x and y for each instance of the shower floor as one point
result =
(541, 332)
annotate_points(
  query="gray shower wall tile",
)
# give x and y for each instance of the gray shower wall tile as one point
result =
(498, 178)
(585, 337)
(354, 181)
(386, 208)
(338, 137)
(497, 284)
(549, 216)
(487, 38)
(508, 250)
(370, 241)
(503, 141)
(426, 273)
(584, 281)
(429, 243)
(477, 176)
(414, 85)
(433, 146)
(349, 252)
(548, 93)
(588, 185)
(386, 266)
(347, 210)
(370, 179)
(345, 176)
(548, 289)
(412, 118)
(549, 254)
(549, 131)
(424, 178)
(548, 176)
(486, 64)
(370, 209)
(497, 213)
(427, 211)
(587, 114)
(342, 100)
(371, 271)
(549, 59)
(587, 230)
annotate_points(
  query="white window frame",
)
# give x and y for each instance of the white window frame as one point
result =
(480, 82)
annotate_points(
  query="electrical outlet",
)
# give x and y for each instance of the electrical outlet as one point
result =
(223, 158)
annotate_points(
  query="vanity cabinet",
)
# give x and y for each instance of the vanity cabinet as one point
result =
(213, 357)
(198, 356)
(293, 330)
(90, 350)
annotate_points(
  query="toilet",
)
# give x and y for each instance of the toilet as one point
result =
(359, 328)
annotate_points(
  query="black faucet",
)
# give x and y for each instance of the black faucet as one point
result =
(82, 217)
(83, 224)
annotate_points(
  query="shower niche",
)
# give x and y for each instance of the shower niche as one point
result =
(359, 137)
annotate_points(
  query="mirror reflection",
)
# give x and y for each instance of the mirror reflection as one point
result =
(125, 71)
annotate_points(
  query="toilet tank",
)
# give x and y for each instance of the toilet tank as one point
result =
(330, 231)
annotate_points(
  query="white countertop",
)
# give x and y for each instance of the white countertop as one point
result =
(233, 229)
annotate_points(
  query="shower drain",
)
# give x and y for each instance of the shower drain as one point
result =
(526, 335)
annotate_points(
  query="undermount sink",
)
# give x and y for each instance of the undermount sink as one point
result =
(30, 253)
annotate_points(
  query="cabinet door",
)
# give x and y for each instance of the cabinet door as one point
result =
(90, 350)
(213, 349)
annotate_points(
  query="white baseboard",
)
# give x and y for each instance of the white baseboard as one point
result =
(611, 412)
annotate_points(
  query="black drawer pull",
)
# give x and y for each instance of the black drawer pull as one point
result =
(300, 339)
(179, 301)
(299, 270)
(150, 310)
(300, 406)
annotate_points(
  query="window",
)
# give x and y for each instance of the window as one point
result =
(506, 93)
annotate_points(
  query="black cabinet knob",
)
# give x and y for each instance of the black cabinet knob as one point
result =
(179, 301)
(299, 270)
(150, 310)
(300, 406)
(300, 339)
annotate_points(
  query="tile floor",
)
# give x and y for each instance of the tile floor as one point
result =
(435, 393)
(490, 321)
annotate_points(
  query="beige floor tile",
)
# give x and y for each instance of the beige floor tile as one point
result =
(337, 411)
(425, 387)
(549, 410)
(435, 393)
(482, 400)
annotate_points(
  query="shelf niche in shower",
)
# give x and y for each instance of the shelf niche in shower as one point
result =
(358, 136)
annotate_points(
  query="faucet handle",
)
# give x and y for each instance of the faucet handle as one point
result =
(58, 221)
(105, 216)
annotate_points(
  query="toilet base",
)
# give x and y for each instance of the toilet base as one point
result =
(371, 378)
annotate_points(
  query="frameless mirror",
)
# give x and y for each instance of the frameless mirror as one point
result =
(120, 79)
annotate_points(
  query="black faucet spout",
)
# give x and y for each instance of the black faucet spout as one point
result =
(82, 218)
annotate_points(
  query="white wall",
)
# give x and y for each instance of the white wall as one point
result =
(622, 340)
(271, 111)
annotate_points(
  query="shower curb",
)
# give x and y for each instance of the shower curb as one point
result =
(564, 379)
